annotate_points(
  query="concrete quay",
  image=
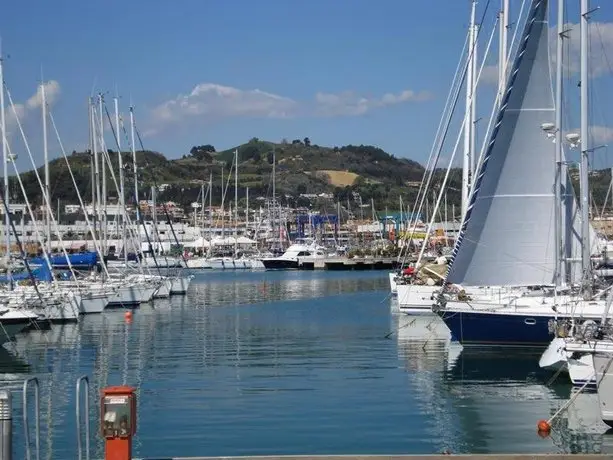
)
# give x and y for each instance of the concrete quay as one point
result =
(404, 457)
(344, 263)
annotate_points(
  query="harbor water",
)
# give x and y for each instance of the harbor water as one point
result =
(254, 363)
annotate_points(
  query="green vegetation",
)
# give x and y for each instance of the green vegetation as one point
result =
(378, 175)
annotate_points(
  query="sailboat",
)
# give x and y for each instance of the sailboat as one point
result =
(508, 236)
(417, 287)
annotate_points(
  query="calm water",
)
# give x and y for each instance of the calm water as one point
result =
(294, 363)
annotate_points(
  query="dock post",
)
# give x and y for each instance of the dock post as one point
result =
(6, 426)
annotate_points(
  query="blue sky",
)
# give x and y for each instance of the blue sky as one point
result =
(223, 71)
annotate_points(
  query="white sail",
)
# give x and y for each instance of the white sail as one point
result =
(508, 235)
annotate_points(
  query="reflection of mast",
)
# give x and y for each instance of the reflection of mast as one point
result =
(492, 395)
(423, 344)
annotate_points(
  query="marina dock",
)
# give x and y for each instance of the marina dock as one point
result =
(345, 263)
(400, 457)
(356, 263)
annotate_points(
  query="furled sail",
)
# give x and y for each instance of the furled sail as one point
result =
(508, 234)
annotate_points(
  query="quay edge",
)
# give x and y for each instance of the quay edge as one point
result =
(403, 457)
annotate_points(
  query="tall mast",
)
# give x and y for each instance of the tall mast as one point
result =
(503, 47)
(201, 208)
(274, 196)
(5, 160)
(154, 217)
(235, 200)
(585, 150)
(560, 267)
(210, 208)
(134, 163)
(92, 110)
(473, 98)
(91, 162)
(202, 197)
(103, 168)
(246, 207)
(223, 207)
(469, 112)
(122, 200)
(46, 198)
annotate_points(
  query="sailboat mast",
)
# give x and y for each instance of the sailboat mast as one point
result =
(92, 110)
(210, 208)
(560, 267)
(122, 199)
(235, 200)
(134, 163)
(46, 198)
(91, 163)
(585, 150)
(473, 99)
(154, 217)
(103, 167)
(469, 114)
(223, 207)
(5, 196)
(202, 197)
(274, 197)
(503, 23)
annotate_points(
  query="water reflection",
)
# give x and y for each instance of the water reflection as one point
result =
(238, 288)
(217, 375)
(195, 364)
(496, 396)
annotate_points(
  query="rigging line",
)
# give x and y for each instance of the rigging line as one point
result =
(427, 169)
(447, 127)
(87, 221)
(46, 198)
(140, 141)
(441, 135)
(605, 58)
(105, 153)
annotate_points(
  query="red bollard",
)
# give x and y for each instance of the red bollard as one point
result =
(118, 421)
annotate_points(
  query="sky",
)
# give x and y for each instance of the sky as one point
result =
(223, 71)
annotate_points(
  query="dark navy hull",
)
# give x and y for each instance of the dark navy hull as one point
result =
(478, 329)
(280, 264)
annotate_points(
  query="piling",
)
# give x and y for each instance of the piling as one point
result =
(6, 426)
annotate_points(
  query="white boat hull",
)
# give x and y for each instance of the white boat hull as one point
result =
(603, 365)
(198, 263)
(179, 285)
(393, 285)
(163, 291)
(127, 296)
(92, 303)
(416, 299)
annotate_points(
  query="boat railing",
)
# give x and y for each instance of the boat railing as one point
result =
(82, 394)
(32, 381)
(83, 380)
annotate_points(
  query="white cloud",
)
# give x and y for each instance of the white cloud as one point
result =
(34, 102)
(600, 45)
(489, 75)
(214, 101)
(52, 91)
(598, 134)
(349, 103)
(601, 134)
(601, 51)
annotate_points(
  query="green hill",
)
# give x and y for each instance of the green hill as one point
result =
(347, 172)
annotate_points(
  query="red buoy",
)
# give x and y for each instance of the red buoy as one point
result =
(544, 428)
(128, 316)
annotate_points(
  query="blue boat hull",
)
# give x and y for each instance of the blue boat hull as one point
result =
(487, 329)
